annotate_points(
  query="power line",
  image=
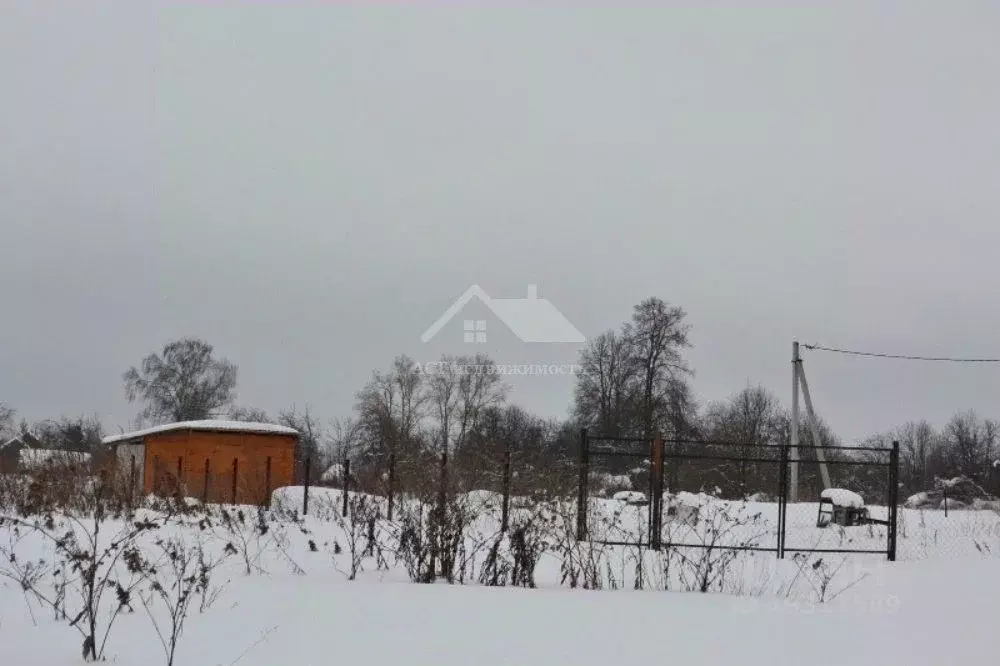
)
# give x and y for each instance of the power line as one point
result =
(902, 357)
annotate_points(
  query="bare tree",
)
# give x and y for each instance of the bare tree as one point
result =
(344, 439)
(969, 442)
(248, 414)
(7, 427)
(657, 334)
(69, 434)
(185, 382)
(750, 418)
(918, 443)
(311, 434)
(391, 408)
(444, 398)
(607, 385)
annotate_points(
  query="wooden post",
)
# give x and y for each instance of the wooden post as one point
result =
(505, 508)
(346, 483)
(204, 488)
(236, 473)
(392, 483)
(581, 498)
(267, 483)
(305, 489)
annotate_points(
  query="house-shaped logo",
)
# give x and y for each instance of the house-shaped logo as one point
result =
(531, 319)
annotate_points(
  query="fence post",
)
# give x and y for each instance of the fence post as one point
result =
(656, 501)
(305, 493)
(131, 484)
(392, 483)
(505, 507)
(346, 483)
(267, 483)
(581, 499)
(894, 499)
(204, 489)
(782, 500)
(236, 475)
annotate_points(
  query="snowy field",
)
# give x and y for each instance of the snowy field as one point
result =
(296, 604)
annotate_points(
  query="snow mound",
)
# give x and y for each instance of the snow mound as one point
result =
(843, 497)
(630, 497)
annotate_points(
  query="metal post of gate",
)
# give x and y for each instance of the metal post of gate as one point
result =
(893, 499)
(581, 498)
(782, 500)
(656, 501)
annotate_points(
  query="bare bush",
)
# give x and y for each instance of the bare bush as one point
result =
(88, 548)
(180, 575)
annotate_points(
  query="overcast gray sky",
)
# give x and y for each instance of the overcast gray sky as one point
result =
(308, 187)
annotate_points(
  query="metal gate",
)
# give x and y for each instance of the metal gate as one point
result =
(696, 463)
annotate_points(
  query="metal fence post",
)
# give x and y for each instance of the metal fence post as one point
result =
(305, 493)
(581, 499)
(893, 500)
(656, 500)
(782, 500)
(505, 507)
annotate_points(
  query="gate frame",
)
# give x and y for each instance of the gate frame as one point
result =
(657, 456)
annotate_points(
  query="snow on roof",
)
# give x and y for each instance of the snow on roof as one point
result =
(842, 497)
(210, 425)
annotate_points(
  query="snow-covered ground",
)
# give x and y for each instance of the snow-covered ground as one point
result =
(935, 606)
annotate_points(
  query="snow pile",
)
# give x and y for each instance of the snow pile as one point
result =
(843, 497)
(604, 483)
(630, 497)
(333, 474)
(960, 492)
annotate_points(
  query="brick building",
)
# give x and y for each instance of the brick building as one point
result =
(218, 461)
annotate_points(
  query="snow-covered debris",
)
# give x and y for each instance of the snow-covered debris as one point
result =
(41, 457)
(690, 499)
(210, 425)
(917, 500)
(333, 474)
(843, 497)
(630, 497)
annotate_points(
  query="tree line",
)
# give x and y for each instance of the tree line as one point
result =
(632, 381)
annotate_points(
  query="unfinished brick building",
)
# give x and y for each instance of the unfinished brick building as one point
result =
(216, 461)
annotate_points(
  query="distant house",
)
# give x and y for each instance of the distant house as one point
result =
(25, 453)
(10, 454)
(218, 461)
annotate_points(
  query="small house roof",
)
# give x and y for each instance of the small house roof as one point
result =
(206, 425)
